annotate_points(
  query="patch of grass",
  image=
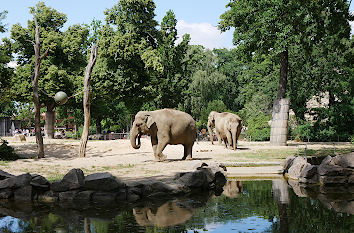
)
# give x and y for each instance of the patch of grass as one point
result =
(245, 178)
(151, 172)
(281, 154)
(252, 165)
(55, 177)
(4, 163)
(95, 169)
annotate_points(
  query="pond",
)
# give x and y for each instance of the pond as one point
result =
(244, 206)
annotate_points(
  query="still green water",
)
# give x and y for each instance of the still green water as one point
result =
(244, 206)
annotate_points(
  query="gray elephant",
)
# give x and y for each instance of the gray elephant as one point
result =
(169, 214)
(165, 126)
(227, 128)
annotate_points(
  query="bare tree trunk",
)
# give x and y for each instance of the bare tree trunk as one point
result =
(98, 126)
(37, 107)
(283, 80)
(87, 115)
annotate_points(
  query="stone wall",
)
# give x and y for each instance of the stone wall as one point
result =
(104, 188)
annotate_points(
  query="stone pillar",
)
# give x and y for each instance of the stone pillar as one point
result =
(279, 126)
(49, 124)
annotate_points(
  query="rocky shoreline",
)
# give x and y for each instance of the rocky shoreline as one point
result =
(104, 188)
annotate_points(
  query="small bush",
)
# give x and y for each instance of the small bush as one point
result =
(258, 128)
(7, 152)
(303, 132)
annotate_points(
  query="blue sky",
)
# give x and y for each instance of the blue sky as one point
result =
(196, 17)
(199, 18)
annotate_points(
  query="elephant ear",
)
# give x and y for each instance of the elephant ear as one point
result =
(149, 121)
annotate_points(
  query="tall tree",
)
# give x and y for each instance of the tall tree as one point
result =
(172, 83)
(87, 113)
(274, 27)
(6, 106)
(128, 48)
(37, 108)
(63, 68)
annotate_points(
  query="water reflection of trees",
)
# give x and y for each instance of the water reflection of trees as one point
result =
(272, 201)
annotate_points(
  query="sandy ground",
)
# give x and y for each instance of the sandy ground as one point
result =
(121, 160)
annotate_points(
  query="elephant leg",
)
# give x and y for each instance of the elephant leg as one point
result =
(187, 152)
(154, 143)
(239, 128)
(219, 138)
(162, 143)
(229, 140)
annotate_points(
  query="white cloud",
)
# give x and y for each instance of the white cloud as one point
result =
(201, 34)
(12, 64)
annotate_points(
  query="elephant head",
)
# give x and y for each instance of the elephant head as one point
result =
(211, 123)
(141, 126)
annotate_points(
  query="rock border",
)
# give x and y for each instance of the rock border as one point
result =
(338, 170)
(104, 188)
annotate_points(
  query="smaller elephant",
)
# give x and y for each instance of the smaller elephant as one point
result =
(232, 188)
(165, 126)
(227, 128)
(169, 214)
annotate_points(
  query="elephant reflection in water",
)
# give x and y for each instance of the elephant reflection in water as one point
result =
(169, 214)
(232, 188)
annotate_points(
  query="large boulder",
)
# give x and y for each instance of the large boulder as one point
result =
(288, 162)
(5, 175)
(24, 193)
(16, 181)
(195, 180)
(296, 168)
(74, 179)
(40, 182)
(102, 182)
(346, 160)
(309, 175)
(6, 193)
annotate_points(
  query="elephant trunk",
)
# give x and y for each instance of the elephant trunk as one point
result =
(210, 133)
(133, 135)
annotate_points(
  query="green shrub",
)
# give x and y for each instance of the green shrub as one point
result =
(303, 132)
(7, 152)
(258, 128)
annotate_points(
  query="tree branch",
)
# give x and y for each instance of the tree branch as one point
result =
(45, 54)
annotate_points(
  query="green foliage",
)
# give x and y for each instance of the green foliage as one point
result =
(7, 153)
(303, 132)
(127, 51)
(61, 70)
(5, 71)
(258, 127)
(7, 109)
(171, 84)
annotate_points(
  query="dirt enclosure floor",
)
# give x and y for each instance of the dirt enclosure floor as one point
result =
(121, 160)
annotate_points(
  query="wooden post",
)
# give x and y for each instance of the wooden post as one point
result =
(37, 107)
(87, 115)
